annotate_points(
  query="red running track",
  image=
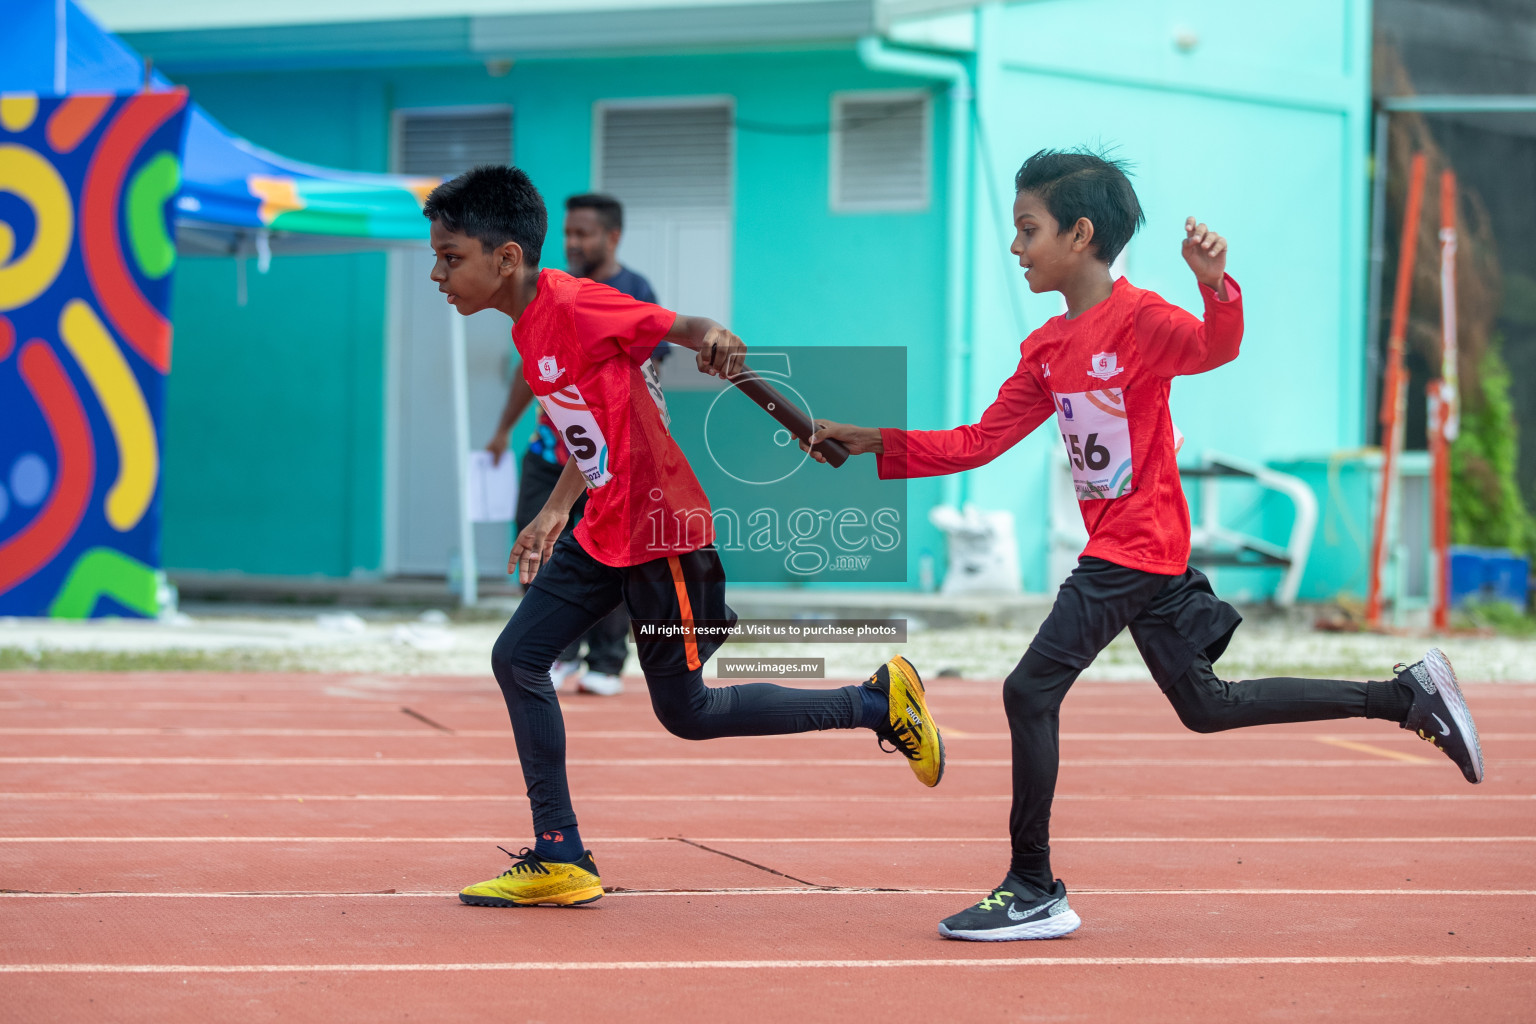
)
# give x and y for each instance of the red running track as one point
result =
(194, 847)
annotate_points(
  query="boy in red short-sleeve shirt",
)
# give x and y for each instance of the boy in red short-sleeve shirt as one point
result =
(582, 346)
(1103, 369)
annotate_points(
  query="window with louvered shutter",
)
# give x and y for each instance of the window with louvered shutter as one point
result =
(666, 157)
(672, 164)
(880, 151)
(451, 141)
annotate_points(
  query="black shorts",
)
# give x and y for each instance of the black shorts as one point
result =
(685, 592)
(1172, 618)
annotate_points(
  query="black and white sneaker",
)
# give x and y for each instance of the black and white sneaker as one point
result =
(1015, 910)
(1439, 713)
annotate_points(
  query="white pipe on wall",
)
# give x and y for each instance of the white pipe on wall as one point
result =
(878, 55)
(469, 582)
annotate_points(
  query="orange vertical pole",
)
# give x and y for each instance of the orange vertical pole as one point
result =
(1394, 391)
(1444, 422)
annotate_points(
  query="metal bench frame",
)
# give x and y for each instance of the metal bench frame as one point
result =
(1212, 544)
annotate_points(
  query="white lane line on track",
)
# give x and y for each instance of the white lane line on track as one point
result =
(529, 966)
(660, 734)
(785, 891)
(748, 798)
(242, 682)
(384, 703)
(237, 684)
(722, 762)
(389, 704)
(203, 731)
(794, 840)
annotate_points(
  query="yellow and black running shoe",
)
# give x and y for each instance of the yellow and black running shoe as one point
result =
(909, 728)
(532, 880)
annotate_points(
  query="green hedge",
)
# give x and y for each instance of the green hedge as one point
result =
(1487, 508)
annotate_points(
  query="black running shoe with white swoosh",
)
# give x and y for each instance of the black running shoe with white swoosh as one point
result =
(1439, 713)
(1014, 910)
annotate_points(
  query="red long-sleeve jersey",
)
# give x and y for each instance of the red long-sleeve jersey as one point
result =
(1105, 374)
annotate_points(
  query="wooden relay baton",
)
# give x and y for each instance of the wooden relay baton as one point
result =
(788, 414)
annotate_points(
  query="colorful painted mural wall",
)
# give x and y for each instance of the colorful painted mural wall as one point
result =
(87, 190)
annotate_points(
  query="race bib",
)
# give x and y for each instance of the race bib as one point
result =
(1098, 439)
(583, 438)
(652, 378)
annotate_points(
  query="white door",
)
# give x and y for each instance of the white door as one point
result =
(670, 163)
(422, 531)
(426, 485)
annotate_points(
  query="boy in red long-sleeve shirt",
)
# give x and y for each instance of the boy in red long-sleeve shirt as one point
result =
(1104, 370)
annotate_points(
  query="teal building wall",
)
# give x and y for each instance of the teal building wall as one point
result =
(1253, 117)
(287, 391)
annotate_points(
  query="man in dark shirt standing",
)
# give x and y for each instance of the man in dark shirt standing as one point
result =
(593, 226)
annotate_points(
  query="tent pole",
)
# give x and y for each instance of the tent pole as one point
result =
(1444, 400)
(1373, 351)
(60, 46)
(1449, 373)
(468, 580)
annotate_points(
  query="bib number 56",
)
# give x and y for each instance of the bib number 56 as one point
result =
(1087, 452)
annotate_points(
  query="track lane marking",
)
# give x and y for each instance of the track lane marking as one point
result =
(529, 966)
(389, 703)
(714, 762)
(372, 703)
(796, 840)
(1083, 690)
(1366, 748)
(766, 891)
(750, 798)
(1350, 741)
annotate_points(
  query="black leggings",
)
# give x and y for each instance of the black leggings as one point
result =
(542, 626)
(1032, 696)
(605, 640)
(605, 644)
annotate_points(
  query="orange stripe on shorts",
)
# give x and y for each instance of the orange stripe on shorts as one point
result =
(690, 641)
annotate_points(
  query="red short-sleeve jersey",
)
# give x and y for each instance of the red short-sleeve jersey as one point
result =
(582, 345)
(1105, 375)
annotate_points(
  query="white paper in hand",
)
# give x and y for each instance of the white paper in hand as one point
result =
(492, 488)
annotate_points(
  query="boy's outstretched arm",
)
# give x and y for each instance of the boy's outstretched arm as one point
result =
(536, 540)
(1021, 406)
(1174, 341)
(719, 351)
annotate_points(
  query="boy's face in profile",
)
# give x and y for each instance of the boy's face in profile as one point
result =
(1045, 252)
(465, 272)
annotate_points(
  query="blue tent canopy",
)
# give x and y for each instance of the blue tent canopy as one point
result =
(234, 194)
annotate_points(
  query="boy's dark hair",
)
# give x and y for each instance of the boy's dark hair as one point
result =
(607, 208)
(1079, 183)
(495, 205)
